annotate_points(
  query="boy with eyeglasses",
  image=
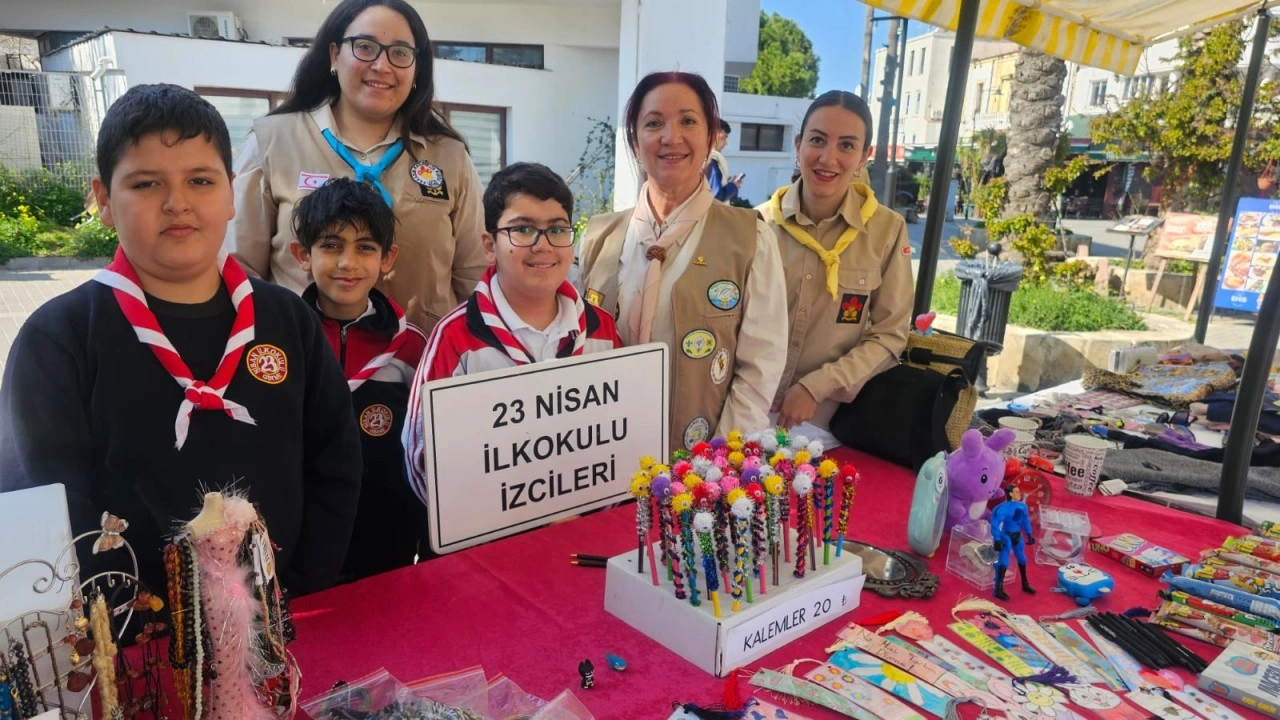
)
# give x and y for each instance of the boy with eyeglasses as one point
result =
(524, 310)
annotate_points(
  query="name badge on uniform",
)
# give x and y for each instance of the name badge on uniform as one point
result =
(594, 297)
(430, 180)
(851, 307)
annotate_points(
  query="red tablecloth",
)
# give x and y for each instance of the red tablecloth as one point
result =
(518, 607)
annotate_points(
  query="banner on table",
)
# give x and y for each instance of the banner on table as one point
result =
(514, 449)
(1251, 255)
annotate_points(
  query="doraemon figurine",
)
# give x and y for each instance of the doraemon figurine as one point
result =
(1084, 583)
(929, 506)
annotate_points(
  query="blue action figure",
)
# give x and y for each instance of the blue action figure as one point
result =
(1010, 523)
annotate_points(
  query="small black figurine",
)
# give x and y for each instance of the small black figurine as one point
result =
(588, 673)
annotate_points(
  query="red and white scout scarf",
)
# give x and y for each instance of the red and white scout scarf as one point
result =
(198, 395)
(512, 346)
(380, 361)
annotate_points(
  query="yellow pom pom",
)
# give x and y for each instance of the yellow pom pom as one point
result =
(682, 502)
(828, 468)
(646, 463)
(735, 445)
(660, 469)
(802, 457)
(640, 483)
(773, 485)
(777, 458)
(734, 436)
(691, 481)
(734, 496)
(735, 458)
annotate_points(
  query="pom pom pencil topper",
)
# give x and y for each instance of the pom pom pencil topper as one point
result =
(703, 524)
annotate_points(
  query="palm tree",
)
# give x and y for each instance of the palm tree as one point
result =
(1035, 120)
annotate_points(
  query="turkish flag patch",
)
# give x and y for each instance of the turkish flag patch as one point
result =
(851, 307)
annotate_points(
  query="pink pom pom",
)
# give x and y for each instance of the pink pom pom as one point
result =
(713, 490)
(681, 468)
(721, 461)
(728, 483)
(806, 469)
(677, 487)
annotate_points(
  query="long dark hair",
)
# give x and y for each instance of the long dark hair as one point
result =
(313, 86)
(841, 99)
(693, 81)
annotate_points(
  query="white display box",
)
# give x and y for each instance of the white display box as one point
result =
(788, 611)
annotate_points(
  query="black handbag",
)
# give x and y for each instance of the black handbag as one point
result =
(918, 408)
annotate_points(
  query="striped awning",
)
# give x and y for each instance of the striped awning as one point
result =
(1109, 34)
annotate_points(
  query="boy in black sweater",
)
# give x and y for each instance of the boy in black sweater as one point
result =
(345, 234)
(171, 372)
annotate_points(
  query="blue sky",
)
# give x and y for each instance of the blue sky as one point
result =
(835, 27)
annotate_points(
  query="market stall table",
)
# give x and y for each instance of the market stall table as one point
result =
(518, 607)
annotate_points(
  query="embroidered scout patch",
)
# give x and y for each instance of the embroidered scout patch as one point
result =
(851, 307)
(698, 344)
(594, 296)
(430, 180)
(724, 294)
(267, 363)
(376, 419)
(696, 431)
(311, 181)
(720, 366)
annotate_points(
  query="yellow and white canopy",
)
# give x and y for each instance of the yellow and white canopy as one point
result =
(1109, 34)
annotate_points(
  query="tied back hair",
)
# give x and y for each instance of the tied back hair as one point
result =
(313, 86)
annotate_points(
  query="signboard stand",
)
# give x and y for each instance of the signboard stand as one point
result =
(1133, 226)
(791, 609)
(1185, 236)
(1202, 269)
(514, 449)
(1251, 255)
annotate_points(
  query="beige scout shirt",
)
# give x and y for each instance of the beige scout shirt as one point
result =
(832, 350)
(438, 228)
(759, 354)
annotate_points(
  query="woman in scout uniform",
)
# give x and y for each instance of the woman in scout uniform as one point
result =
(361, 106)
(679, 268)
(847, 265)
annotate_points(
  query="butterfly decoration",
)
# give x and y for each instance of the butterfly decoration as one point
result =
(110, 538)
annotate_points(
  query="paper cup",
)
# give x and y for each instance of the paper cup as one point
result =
(1083, 457)
(1024, 424)
(1021, 447)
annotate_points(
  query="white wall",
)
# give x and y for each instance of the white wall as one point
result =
(742, 36)
(547, 110)
(589, 23)
(766, 171)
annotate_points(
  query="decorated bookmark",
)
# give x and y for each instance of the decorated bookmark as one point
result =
(1128, 668)
(992, 649)
(791, 686)
(1159, 703)
(977, 681)
(994, 627)
(1104, 703)
(1081, 648)
(1200, 703)
(867, 696)
(1048, 645)
(885, 676)
(921, 667)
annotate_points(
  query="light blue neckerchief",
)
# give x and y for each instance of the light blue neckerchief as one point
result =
(371, 174)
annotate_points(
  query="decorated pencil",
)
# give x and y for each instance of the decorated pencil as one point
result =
(704, 524)
(802, 484)
(640, 485)
(682, 506)
(742, 509)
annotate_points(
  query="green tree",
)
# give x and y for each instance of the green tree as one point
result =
(1186, 132)
(785, 63)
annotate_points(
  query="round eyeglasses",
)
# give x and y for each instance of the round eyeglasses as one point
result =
(527, 235)
(363, 48)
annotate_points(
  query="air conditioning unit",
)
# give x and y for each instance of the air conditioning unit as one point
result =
(935, 114)
(225, 25)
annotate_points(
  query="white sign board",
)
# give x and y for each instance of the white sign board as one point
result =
(790, 620)
(510, 450)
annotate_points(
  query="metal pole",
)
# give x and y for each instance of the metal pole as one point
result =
(867, 38)
(947, 138)
(886, 109)
(1226, 208)
(891, 172)
(1249, 398)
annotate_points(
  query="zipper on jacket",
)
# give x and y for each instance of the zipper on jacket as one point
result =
(342, 345)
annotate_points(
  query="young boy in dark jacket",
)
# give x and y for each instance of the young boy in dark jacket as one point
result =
(345, 237)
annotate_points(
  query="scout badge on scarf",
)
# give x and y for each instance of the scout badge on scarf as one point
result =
(197, 394)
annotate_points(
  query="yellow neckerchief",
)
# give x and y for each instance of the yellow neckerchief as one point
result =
(831, 258)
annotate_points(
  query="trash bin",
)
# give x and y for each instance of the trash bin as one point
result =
(986, 288)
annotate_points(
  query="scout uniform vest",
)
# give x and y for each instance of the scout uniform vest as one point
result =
(707, 304)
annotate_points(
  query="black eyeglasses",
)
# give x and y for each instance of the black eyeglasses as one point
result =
(560, 236)
(401, 56)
